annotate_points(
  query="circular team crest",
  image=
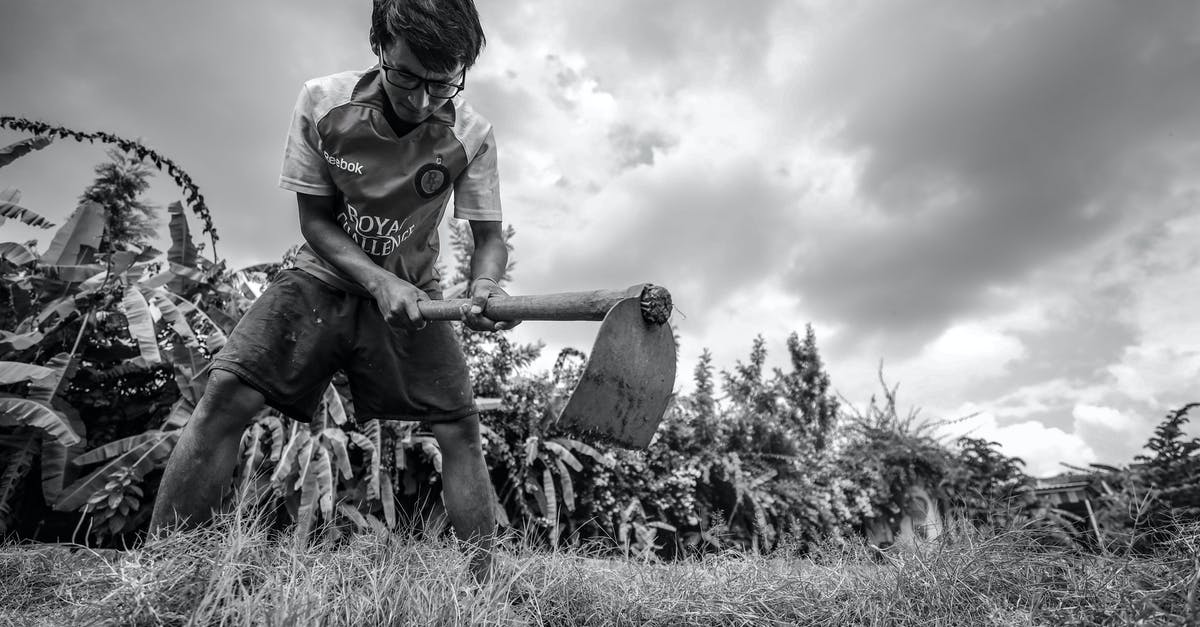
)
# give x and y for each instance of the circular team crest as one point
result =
(432, 179)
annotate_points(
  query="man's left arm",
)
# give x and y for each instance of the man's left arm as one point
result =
(488, 263)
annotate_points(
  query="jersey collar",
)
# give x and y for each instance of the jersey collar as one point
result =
(370, 91)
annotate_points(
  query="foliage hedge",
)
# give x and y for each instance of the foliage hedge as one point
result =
(104, 345)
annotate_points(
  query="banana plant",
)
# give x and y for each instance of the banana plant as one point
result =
(71, 284)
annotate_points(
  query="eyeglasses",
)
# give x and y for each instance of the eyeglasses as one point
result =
(407, 80)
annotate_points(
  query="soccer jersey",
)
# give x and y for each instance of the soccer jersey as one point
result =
(392, 190)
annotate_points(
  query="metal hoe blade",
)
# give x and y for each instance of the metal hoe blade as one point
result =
(627, 382)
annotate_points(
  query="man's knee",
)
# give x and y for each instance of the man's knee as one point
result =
(228, 403)
(461, 434)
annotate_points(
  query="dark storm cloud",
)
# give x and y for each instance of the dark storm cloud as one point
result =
(674, 44)
(710, 234)
(997, 138)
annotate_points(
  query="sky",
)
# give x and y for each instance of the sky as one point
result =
(992, 205)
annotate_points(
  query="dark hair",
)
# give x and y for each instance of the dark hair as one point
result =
(441, 33)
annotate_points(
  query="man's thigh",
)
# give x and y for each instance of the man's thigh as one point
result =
(408, 375)
(288, 345)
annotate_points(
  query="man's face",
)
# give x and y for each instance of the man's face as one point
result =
(413, 104)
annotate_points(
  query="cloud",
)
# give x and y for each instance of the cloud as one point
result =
(1102, 417)
(638, 47)
(996, 200)
(1043, 449)
(991, 141)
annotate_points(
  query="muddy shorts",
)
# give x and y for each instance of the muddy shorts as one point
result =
(301, 331)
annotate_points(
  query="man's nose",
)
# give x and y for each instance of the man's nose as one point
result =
(418, 98)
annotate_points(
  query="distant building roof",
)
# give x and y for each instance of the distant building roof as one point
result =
(1064, 488)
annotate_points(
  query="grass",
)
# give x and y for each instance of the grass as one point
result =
(239, 573)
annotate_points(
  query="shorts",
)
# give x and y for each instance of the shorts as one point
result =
(301, 331)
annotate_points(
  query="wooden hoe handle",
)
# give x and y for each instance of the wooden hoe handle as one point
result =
(655, 302)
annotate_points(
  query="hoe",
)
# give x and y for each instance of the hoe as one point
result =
(630, 373)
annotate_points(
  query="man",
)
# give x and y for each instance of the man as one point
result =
(373, 157)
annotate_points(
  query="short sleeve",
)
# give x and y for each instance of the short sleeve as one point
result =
(477, 189)
(304, 170)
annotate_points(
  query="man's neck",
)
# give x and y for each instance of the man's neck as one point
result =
(400, 127)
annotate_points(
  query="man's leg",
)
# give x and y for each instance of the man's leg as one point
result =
(467, 490)
(201, 466)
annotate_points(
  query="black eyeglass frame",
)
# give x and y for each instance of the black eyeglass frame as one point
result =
(414, 81)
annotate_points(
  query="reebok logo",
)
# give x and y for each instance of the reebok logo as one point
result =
(352, 167)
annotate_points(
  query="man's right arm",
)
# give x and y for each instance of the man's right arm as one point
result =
(395, 297)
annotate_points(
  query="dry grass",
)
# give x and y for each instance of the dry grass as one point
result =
(238, 573)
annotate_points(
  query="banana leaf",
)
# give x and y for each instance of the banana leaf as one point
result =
(191, 370)
(563, 454)
(15, 371)
(183, 250)
(139, 454)
(251, 451)
(373, 471)
(81, 273)
(15, 411)
(373, 429)
(83, 231)
(19, 341)
(118, 448)
(531, 450)
(336, 439)
(141, 327)
(366, 522)
(551, 510)
(174, 316)
(10, 209)
(181, 412)
(388, 499)
(216, 339)
(304, 458)
(148, 253)
(244, 286)
(62, 307)
(17, 452)
(288, 459)
(333, 405)
(58, 468)
(16, 254)
(308, 489)
(568, 487)
(605, 459)
(431, 449)
(16, 150)
(121, 261)
(62, 369)
(324, 470)
(278, 441)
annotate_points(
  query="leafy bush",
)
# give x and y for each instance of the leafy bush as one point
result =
(1140, 506)
(101, 339)
(104, 349)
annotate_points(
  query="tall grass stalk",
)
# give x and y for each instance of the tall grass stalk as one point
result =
(239, 572)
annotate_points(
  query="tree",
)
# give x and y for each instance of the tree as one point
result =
(118, 187)
(1170, 472)
(813, 410)
(989, 488)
